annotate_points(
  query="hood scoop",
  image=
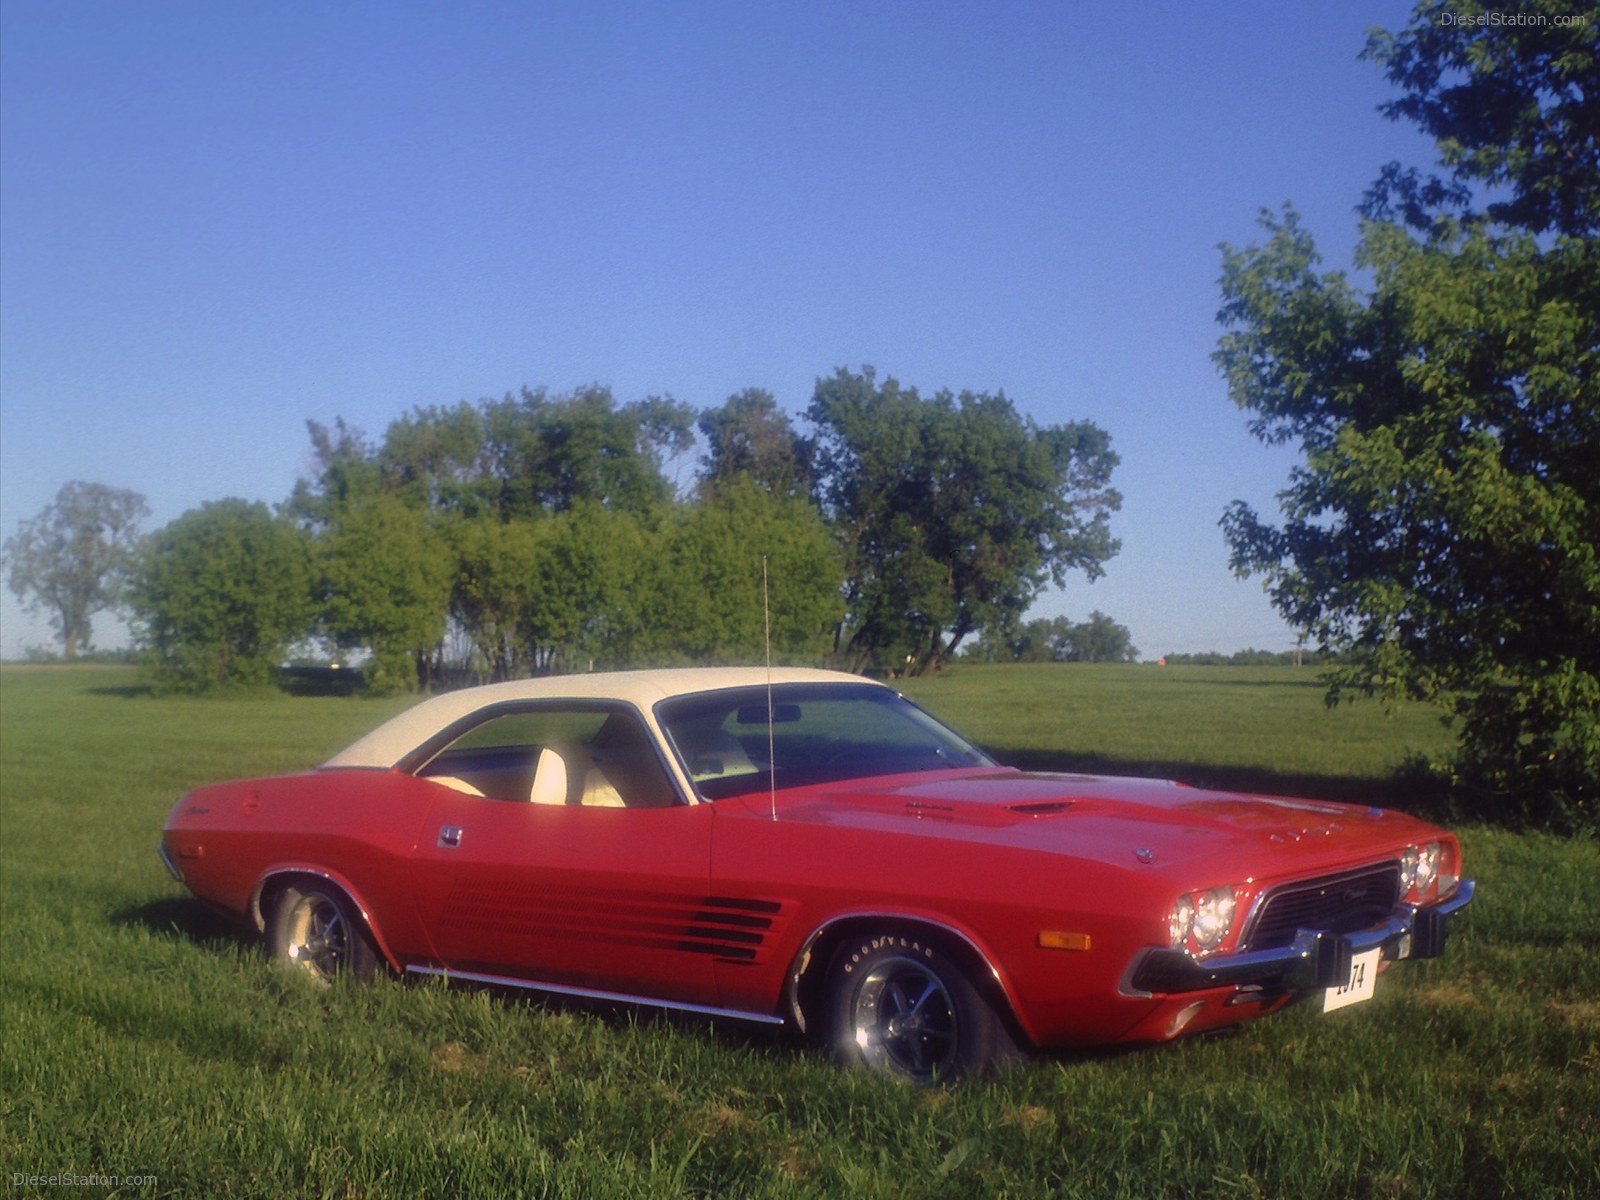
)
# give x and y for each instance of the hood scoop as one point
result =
(1041, 808)
(979, 813)
(994, 798)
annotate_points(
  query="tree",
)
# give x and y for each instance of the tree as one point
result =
(1097, 640)
(548, 454)
(1017, 642)
(1058, 639)
(530, 453)
(439, 458)
(723, 611)
(495, 562)
(1444, 526)
(471, 514)
(751, 437)
(384, 580)
(1513, 103)
(952, 513)
(220, 594)
(541, 595)
(346, 473)
(72, 560)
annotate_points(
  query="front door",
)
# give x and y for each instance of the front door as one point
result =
(557, 852)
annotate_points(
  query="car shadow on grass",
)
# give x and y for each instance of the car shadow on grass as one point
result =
(1298, 682)
(189, 919)
(203, 926)
(777, 1046)
(774, 1045)
(131, 691)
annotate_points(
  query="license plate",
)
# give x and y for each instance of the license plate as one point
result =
(1360, 986)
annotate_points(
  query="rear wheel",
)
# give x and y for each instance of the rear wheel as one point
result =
(900, 1004)
(316, 929)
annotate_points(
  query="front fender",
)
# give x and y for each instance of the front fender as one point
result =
(813, 955)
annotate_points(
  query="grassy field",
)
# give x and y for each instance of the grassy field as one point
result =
(1260, 729)
(141, 1040)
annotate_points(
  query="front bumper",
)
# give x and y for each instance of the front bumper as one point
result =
(1315, 959)
(166, 861)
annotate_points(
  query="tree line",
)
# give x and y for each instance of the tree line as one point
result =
(538, 533)
(1055, 639)
(1251, 657)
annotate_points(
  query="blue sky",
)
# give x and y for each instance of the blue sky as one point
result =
(220, 220)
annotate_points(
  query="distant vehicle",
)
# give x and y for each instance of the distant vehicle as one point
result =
(809, 849)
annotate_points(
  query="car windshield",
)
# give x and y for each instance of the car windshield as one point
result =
(818, 733)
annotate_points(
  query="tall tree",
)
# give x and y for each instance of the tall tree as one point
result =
(220, 594)
(439, 457)
(1097, 640)
(952, 513)
(384, 578)
(73, 558)
(346, 473)
(470, 513)
(1512, 100)
(552, 453)
(750, 437)
(545, 594)
(494, 563)
(724, 611)
(532, 452)
(1444, 525)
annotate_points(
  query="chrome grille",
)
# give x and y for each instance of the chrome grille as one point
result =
(1340, 903)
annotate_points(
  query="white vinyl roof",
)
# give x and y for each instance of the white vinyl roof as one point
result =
(394, 739)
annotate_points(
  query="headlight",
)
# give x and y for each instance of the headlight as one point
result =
(1213, 917)
(1181, 922)
(1200, 923)
(1419, 868)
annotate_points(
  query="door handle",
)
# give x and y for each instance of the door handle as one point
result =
(449, 837)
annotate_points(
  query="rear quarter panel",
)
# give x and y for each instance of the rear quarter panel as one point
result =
(358, 827)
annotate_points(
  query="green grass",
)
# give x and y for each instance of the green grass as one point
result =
(140, 1036)
(1258, 728)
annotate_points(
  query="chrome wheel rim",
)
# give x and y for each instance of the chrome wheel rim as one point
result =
(904, 1020)
(318, 940)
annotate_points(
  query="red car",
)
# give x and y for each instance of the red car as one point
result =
(810, 849)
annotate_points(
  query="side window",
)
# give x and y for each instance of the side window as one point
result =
(594, 757)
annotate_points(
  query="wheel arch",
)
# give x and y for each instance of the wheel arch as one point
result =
(274, 880)
(808, 973)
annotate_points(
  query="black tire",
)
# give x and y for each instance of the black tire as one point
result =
(900, 1004)
(316, 929)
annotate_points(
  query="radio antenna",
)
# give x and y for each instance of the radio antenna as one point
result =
(772, 758)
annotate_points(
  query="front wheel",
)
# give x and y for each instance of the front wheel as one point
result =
(316, 929)
(898, 1003)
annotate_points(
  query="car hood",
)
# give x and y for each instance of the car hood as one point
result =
(1110, 819)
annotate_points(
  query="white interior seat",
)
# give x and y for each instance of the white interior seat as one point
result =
(549, 778)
